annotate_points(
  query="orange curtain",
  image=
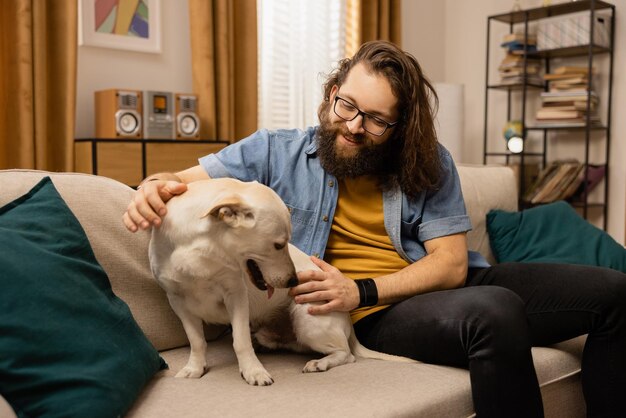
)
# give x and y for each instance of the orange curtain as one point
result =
(37, 84)
(380, 19)
(224, 66)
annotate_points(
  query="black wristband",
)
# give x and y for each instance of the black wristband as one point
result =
(368, 292)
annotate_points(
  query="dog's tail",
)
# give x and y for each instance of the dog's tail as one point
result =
(360, 351)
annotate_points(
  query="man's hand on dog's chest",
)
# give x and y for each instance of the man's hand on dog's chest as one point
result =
(329, 286)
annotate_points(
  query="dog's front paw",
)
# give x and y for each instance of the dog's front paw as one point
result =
(191, 372)
(334, 359)
(315, 366)
(257, 376)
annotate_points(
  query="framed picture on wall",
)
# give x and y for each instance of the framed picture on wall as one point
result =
(133, 25)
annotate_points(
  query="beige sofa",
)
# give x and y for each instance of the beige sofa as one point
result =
(367, 388)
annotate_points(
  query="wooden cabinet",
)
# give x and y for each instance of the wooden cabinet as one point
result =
(131, 160)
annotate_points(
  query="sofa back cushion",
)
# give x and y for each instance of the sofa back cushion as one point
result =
(99, 203)
(485, 188)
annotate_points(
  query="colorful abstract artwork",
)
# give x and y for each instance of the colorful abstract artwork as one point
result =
(123, 17)
(120, 24)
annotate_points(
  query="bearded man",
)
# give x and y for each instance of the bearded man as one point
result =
(377, 202)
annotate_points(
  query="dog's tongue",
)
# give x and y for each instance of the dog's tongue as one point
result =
(270, 291)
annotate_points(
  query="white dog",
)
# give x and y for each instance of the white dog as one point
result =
(222, 244)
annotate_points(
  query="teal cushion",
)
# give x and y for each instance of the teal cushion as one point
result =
(552, 233)
(68, 346)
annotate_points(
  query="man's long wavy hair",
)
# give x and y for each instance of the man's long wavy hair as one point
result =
(417, 167)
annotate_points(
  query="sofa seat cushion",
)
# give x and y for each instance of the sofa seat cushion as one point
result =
(69, 346)
(367, 388)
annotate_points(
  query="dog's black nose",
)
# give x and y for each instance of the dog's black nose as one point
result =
(293, 282)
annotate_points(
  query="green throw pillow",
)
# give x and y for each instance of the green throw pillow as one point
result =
(68, 346)
(552, 233)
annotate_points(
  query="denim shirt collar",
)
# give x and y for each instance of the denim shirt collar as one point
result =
(311, 150)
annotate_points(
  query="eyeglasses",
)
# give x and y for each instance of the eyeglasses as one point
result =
(372, 124)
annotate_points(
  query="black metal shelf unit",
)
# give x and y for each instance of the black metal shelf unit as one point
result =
(519, 92)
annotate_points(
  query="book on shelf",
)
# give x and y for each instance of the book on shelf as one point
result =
(570, 190)
(567, 96)
(555, 87)
(594, 174)
(519, 59)
(518, 43)
(569, 73)
(567, 108)
(520, 79)
(581, 88)
(556, 188)
(566, 79)
(568, 85)
(513, 71)
(567, 122)
(544, 175)
(554, 182)
(559, 123)
(573, 69)
(519, 37)
(562, 77)
(547, 113)
(570, 98)
(515, 47)
(521, 51)
(570, 185)
(570, 105)
(513, 68)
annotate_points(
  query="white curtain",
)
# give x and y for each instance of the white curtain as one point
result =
(300, 42)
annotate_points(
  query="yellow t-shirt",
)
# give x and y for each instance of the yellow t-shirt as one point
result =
(358, 244)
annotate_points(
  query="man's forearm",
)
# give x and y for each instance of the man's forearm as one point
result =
(444, 268)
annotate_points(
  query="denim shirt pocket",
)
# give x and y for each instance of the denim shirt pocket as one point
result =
(410, 241)
(411, 228)
(302, 221)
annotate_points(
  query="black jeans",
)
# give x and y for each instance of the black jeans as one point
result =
(489, 326)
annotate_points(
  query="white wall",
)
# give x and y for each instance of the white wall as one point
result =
(423, 35)
(463, 28)
(104, 68)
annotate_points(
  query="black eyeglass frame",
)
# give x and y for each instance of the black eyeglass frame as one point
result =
(364, 114)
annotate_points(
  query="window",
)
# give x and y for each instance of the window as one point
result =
(300, 42)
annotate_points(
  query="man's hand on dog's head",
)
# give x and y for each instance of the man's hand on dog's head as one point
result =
(148, 204)
(330, 286)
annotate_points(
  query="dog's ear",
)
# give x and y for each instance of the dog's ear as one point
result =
(233, 211)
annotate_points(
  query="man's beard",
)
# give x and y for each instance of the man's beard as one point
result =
(369, 159)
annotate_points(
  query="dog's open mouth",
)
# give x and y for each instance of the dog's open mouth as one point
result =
(257, 277)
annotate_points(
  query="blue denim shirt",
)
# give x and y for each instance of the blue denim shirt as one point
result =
(286, 161)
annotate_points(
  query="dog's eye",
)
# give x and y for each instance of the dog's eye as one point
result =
(279, 245)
